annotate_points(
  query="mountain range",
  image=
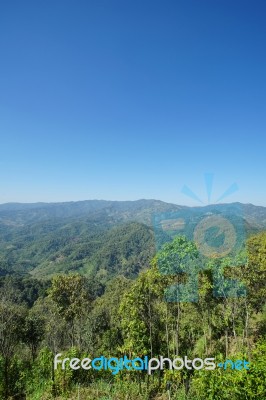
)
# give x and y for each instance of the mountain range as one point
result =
(101, 238)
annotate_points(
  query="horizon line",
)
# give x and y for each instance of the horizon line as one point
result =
(122, 201)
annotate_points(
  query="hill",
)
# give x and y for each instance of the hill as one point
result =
(95, 237)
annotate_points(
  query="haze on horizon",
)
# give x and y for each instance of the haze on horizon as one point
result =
(127, 200)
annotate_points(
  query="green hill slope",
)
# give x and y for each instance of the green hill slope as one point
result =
(94, 237)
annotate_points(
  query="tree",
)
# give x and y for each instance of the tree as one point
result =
(256, 271)
(71, 295)
(12, 317)
(33, 332)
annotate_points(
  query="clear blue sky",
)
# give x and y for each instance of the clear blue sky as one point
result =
(132, 99)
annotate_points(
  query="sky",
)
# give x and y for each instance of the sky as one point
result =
(123, 100)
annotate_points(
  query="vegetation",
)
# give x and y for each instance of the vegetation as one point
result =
(85, 247)
(79, 316)
(94, 286)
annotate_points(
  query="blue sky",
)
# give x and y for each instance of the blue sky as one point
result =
(124, 100)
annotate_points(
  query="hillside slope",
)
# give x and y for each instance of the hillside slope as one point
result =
(96, 237)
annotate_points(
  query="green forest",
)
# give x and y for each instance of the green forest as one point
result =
(89, 288)
(78, 316)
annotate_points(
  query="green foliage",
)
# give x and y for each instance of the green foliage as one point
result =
(231, 384)
(70, 294)
(256, 270)
(78, 316)
(97, 250)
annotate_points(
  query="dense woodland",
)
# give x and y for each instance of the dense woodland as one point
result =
(118, 302)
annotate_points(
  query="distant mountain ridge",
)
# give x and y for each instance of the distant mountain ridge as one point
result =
(141, 210)
(95, 237)
(137, 210)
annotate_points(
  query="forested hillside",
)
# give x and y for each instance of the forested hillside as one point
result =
(91, 281)
(87, 248)
(79, 317)
(94, 237)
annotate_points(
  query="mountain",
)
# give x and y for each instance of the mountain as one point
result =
(101, 238)
(21, 213)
